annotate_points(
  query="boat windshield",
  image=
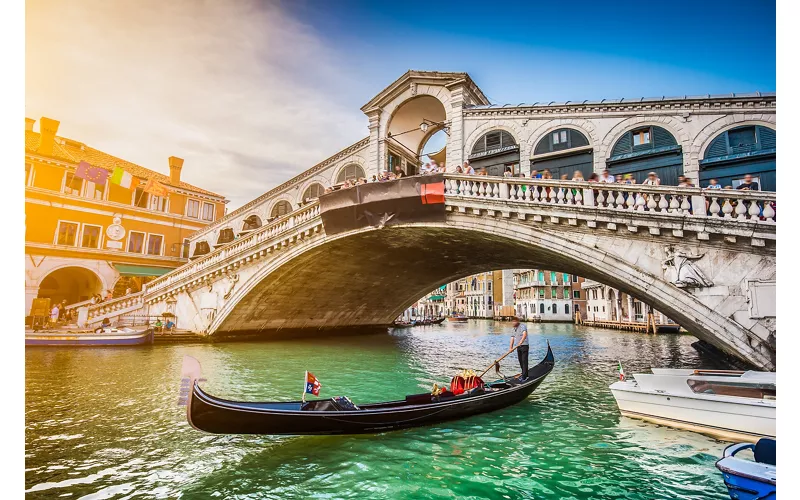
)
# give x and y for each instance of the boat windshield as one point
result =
(755, 391)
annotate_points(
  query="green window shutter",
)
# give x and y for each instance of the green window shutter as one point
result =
(766, 136)
(576, 139)
(566, 293)
(541, 275)
(719, 147)
(566, 278)
(552, 277)
(662, 138)
(554, 293)
(623, 146)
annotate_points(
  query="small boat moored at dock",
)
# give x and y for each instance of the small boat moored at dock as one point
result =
(727, 405)
(107, 337)
(338, 415)
(458, 318)
(750, 479)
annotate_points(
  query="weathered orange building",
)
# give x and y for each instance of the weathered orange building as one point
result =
(82, 238)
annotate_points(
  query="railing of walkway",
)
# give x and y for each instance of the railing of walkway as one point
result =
(268, 231)
(663, 200)
(671, 201)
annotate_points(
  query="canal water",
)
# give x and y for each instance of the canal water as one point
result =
(103, 423)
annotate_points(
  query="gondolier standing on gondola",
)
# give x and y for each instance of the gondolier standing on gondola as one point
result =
(520, 340)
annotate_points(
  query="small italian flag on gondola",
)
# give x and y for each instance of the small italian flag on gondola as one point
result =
(621, 372)
(311, 385)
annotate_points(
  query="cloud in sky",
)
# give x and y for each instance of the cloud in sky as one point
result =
(243, 92)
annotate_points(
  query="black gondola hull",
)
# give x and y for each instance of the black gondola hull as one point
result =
(211, 414)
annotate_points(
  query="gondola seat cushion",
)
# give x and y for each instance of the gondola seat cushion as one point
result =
(460, 384)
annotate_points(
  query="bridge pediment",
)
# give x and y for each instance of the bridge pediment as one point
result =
(412, 79)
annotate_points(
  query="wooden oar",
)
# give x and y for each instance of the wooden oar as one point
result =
(501, 358)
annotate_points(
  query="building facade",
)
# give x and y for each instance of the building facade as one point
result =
(543, 295)
(722, 136)
(605, 303)
(82, 237)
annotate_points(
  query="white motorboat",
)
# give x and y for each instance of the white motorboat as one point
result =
(727, 405)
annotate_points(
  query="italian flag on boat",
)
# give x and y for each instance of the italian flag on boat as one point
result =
(124, 179)
(621, 372)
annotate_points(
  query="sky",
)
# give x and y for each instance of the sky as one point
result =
(251, 93)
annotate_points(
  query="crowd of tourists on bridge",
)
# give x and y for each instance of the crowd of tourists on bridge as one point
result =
(432, 167)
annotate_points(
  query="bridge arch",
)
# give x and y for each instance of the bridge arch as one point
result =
(71, 282)
(348, 172)
(703, 139)
(463, 245)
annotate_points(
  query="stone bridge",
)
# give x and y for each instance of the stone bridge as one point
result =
(706, 258)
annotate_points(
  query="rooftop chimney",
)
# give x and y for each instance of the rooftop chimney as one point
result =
(175, 166)
(29, 124)
(47, 129)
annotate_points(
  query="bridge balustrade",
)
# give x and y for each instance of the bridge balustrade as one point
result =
(202, 265)
(666, 200)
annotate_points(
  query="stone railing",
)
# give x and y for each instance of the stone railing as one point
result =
(207, 262)
(93, 313)
(673, 201)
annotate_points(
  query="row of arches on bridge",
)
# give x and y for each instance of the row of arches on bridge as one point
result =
(745, 149)
(278, 209)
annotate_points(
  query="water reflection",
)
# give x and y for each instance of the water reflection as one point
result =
(103, 422)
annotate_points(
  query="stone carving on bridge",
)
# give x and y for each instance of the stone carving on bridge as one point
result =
(681, 270)
(234, 279)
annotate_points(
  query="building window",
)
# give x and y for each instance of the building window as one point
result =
(559, 137)
(641, 136)
(208, 211)
(185, 248)
(553, 278)
(742, 138)
(135, 242)
(541, 308)
(541, 275)
(604, 308)
(541, 293)
(577, 307)
(28, 171)
(94, 191)
(73, 185)
(566, 278)
(496, 139)
(566, 308)
(280, 209)
(67, 233)
(158, 203)
(91, 236)
(566, 292)
(603, 293)
(154, 243)
(554, 293)
(192, 209)
(140, 198)
(350, 173)
(574, 278)
(313, 192)
(576, 294)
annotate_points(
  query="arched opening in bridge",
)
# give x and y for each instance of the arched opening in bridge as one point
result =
(563, 152)
(351, 172)
(435, 148)
(201, 248)
(749, 149)
(251, 223)
(280, 209)
(497, 151)
(313, 192)
(73, 284)
(225, 236)
(410, 127)
(647, 149)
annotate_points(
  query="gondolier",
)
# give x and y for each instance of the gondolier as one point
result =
(520, 341)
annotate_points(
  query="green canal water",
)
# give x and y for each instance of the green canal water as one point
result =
(103, 422)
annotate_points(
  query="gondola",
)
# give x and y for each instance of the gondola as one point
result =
(339, 415)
